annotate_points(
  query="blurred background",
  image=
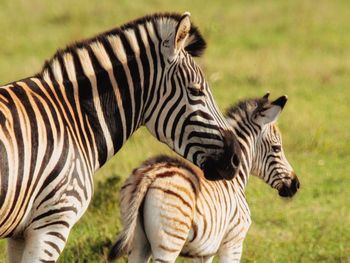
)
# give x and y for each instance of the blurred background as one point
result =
(299, 48)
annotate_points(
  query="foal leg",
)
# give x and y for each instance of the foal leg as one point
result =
(166, 227)
(231, 255)
(208, 259)
(141, 250)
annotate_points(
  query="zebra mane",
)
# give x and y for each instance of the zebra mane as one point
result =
(194, 45)
(246, 107)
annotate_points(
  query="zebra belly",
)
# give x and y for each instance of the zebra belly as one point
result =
(217, 228)
(202, 248)
(208, 244)
(202, 243)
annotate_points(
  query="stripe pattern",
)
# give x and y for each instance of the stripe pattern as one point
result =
(58, 127)
(169, 209)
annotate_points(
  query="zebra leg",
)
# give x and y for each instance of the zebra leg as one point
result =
(45, 244)
(208, 259)
(166, 228)
(141, 250)
(15, 248)
(232, 254)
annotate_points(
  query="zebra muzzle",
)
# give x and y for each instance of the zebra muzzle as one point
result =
(226, 165)
(221, 169)
(289, 190)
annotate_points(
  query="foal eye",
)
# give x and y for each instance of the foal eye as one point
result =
(196, 90)
(276, 148)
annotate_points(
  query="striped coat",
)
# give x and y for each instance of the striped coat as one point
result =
(58, 127)
(169, 209)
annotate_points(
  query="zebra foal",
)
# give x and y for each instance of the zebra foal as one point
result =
(169, 209)
(60, 126)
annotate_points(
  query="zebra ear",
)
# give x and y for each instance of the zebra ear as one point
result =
(266, 96)
(271, 111)
(182, 31)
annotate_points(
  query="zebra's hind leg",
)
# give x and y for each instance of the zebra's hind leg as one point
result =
(166, 227)
(232, 254)
(141, 250)
(15, 247)
(45, 243)
(208, 259)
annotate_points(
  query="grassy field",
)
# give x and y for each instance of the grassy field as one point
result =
(299, 48)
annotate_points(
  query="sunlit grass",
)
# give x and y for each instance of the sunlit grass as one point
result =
(299, 48)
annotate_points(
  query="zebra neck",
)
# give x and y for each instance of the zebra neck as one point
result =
(247, 147)
(105, 92)
(243, 174)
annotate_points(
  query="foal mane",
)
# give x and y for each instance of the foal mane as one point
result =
(247, 107)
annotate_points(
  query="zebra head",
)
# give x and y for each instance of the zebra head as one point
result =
(184, 114)
(270, 162)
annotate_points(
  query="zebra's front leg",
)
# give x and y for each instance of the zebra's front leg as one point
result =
(45, 244)
(15, 247)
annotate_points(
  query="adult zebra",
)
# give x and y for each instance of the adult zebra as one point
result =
(167, 206)
(60, 126)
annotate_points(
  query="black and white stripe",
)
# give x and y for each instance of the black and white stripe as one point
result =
(60, 126)
(169, 209)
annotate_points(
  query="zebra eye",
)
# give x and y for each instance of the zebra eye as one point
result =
(196, 90)
(276, 148)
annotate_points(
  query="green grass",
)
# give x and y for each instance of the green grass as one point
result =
(299, 48)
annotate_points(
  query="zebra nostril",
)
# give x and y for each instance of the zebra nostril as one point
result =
(235, 160)
(297, 184)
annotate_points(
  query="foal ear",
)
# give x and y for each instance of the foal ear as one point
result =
(270, 112)
(266, 96)
(182, 31)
